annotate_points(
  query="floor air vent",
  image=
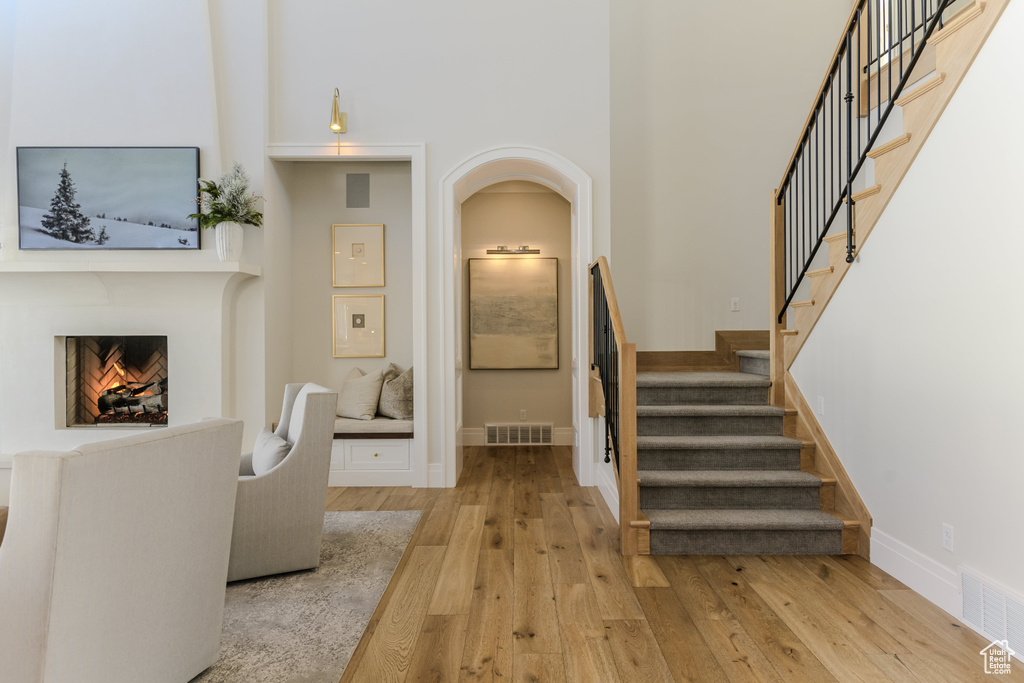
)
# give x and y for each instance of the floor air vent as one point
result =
(518, 433)
(992, 611)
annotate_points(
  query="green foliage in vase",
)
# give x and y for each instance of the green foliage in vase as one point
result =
(228, 200)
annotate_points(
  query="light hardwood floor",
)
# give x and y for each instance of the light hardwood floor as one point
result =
(514, 575)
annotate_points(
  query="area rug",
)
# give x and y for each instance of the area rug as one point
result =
(303, 627)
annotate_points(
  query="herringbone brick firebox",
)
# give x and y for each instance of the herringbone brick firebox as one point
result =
(116, 380)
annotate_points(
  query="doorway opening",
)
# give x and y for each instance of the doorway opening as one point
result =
(568, 180)
(516, 315)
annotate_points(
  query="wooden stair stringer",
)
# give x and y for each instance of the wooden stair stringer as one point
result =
(954, 57)
(846, 503)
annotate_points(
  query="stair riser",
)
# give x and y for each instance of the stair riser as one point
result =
(708, 425)
(718, 459)
(740, 542)
(755, 366)
(730, 497)
(721, 396)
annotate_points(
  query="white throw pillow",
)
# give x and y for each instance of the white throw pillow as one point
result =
(268, 452)
(360, 394)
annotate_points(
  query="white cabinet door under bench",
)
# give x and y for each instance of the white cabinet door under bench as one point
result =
(371, 462)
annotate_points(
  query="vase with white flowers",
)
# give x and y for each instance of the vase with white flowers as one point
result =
(228, 204)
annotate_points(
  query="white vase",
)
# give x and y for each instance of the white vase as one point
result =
(229, 241)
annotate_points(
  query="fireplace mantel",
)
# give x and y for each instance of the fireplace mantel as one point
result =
(191, 302)
(128, 267)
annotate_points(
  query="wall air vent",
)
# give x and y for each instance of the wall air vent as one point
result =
(992, 611)
(518, 433)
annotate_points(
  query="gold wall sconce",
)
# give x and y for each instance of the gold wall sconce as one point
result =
(339, 120)
(521, 249)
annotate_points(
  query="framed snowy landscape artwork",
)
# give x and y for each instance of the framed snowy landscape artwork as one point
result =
(107, 197)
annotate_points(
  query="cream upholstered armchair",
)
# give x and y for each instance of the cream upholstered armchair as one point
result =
(282, 486)
(114, 562)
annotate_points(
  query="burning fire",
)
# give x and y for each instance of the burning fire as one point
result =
(120, 371)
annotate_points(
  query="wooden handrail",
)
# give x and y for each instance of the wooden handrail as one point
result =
(613, 303)
(626, 414)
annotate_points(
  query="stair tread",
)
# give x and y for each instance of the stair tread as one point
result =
(699, 379)
(754, 354)
(727, 478)
(765, 520)
(709, 411)
(717, 442)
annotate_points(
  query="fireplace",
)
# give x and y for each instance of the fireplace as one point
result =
(114, 380)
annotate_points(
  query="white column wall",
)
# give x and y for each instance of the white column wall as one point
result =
(461, 77)
(230, 76)
(708, 101)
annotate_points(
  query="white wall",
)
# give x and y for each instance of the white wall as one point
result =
(918, 355)
(515, 213)
(92, 76)
(707, 104)
(230, 76)
(460, 76)
(317, 193)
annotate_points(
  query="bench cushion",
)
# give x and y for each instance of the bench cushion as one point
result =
(346, 428)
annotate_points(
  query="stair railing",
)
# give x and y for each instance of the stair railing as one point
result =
(615, 361)
(882, 43)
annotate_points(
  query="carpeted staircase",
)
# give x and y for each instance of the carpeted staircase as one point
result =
(717, 476)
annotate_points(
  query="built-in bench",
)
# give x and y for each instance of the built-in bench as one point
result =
(377, 428)
(375, 452)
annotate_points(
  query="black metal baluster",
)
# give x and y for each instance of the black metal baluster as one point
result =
(859, 62)
(878, 78)
(790, 256)
(813, 227)
(803, 229)
(867, 69)
(899, 24)
(849, 152)
(913, 30)
(889, 48)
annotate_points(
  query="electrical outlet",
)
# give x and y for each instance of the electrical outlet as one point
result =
(734, 305)
(947, 537)
(821, 405)
(522, 414)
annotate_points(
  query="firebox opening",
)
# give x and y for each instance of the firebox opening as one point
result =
(116, 380)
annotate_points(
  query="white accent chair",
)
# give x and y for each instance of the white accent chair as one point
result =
(279, 515)
(114, 561)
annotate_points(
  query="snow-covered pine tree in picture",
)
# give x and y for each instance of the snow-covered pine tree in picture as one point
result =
(65, 221)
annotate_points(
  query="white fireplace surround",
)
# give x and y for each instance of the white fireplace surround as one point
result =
(189, 304)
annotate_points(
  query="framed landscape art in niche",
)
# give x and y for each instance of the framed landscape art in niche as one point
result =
(358, 255)
(358, 326)
(107, 197)
(513, 313)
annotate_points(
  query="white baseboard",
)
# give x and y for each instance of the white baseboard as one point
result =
(435, 476)
(370, 478)
(609, 491)
(560, 436)
(919, 572)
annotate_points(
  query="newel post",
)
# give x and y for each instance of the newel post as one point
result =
(628, 487)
